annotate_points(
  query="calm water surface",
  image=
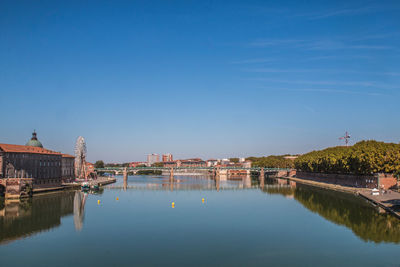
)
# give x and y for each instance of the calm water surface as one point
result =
(238, 224)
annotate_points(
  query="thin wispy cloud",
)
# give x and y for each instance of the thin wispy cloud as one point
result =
(344, 12)
(363, 37)
(340, 45)
(326, 71)
(329, 91)
(319, 44)
(337, 57)
(392, 73)
(253, 60)
(339, 91)
(272, 70)
(333, 83)
(310, 109)
(274, 42)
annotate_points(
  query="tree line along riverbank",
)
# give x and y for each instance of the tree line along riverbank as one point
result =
(363, 158)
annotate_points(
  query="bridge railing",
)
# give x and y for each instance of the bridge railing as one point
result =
(118, 169)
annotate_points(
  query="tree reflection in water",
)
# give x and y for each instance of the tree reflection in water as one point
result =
(344, 209)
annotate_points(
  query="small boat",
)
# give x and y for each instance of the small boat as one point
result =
(85, 186)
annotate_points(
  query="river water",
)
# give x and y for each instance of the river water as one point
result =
(238, 224)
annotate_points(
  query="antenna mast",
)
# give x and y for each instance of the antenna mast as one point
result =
(346, 138)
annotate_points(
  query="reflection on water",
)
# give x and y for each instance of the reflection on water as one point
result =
(41, 213)
(79, 209)
(343, 209)
(186, 183)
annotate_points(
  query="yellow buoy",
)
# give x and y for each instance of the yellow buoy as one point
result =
(98, 201)
(173, 204)
(202, 200)
(117, 198)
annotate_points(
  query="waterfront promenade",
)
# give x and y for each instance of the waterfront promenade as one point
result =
(388, 200)
(100, 181)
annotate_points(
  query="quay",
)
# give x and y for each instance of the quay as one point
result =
(100, 181)
(388, 200)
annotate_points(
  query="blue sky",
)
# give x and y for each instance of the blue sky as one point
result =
(198, 78)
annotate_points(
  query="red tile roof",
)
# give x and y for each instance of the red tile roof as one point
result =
(67, 156)
(26, 149)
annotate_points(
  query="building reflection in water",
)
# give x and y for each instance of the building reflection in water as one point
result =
(125, 184)
(341, 208)
(79, 209)
(217, 182)
(41, 213)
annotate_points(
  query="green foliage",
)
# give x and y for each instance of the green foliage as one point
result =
(149, 172)
(158, 164)
(117, 164)
(365, 157)
(271, 162)
(99, 164)
(234, 160)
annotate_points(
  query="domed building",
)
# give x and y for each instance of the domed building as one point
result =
(36, 166)
(34, 141)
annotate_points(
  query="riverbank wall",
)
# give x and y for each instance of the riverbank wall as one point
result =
(378, 180)
(16, 188)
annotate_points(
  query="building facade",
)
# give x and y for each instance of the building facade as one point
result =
(90, 173)
(170, 164)
(137, 164)
(167, 157)
(44, 166)
(212, 162)
(67, 168)
(152, 158)
(193, 163)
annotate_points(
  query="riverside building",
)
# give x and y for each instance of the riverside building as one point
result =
(45, 167)
(67, 168)
(167, 157)
(152, 158)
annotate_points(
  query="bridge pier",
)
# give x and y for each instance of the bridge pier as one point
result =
(262, 177)
(125, 184)
(171, 175)
(125, 172)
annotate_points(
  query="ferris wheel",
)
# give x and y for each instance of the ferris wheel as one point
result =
(80, 157)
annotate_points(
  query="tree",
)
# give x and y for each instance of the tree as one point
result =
(271, 162)
(234, 160)
(365, 157)
(99, 164)
(158, 164)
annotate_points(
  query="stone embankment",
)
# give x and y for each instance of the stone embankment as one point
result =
(378, 180)
(100, 181)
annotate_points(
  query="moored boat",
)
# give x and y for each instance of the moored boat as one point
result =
(85, 186)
